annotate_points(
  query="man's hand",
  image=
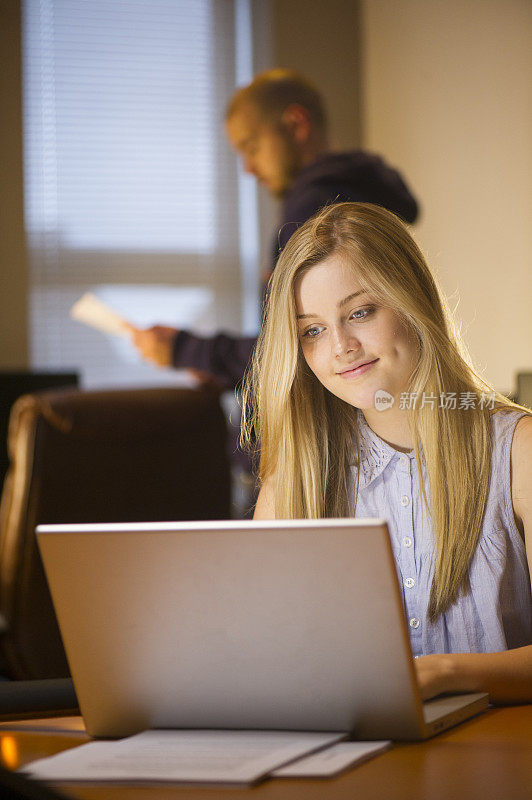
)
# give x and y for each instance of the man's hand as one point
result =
(155, 344)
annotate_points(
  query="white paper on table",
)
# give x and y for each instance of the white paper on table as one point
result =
(202, 756)
(90, 310)
(332, 760)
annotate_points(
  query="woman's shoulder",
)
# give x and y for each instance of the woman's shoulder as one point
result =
(505, 420)
(522, 443)
(510, 431)
(523, 428)
(521, 473)
(265, 507)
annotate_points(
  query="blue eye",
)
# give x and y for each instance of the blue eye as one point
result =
(363, 313)
(313, 331)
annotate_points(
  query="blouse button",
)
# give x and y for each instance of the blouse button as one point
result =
(414, 622)
(405, 500)
(407, 541)
(409, 583)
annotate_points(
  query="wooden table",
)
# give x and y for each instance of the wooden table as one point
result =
(486, 758)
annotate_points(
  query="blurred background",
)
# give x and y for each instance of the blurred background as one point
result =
(118, 180)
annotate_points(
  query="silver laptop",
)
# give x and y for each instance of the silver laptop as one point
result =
(294, 625)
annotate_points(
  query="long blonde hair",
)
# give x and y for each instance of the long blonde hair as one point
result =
(308, 438)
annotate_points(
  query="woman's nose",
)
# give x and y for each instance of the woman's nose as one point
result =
(344, 341)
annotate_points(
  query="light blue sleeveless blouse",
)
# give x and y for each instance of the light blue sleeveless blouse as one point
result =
(497, 612)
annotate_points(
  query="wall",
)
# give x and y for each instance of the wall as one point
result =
(321, 40)
(447, 98)
(13, 270)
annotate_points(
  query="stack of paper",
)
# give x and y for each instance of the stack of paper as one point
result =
(332, 760)
(203, 757)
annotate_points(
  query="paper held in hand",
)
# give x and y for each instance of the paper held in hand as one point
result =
(91, 311)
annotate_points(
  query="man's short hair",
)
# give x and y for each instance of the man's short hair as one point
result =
(274, 90)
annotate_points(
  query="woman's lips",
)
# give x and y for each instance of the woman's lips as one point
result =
(356, 371)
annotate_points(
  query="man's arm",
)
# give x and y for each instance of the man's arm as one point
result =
(222, 356)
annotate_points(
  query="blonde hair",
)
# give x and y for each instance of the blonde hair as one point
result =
(308, 438)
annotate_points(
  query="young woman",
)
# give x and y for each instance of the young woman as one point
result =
(364, 403)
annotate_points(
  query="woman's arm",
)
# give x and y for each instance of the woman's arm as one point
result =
(265, 507)
(506, 676)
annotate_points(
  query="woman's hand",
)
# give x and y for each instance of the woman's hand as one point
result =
(435, 674)
(505, 675)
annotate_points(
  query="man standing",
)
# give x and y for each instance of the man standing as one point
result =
(278, 127)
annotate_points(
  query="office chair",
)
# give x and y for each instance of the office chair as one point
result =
(99, 456)
(13, 384)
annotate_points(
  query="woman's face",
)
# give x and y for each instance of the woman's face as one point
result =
(355, 346)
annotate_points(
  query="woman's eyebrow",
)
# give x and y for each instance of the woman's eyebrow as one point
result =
(339, 305)
(351, 297)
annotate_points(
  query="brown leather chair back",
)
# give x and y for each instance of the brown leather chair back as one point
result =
(109, 456)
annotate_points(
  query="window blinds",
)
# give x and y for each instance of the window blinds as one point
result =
(131, 190)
